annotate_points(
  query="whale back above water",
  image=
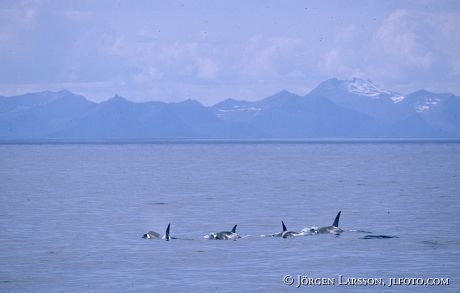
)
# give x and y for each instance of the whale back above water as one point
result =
(334, 229)
(151, 235)
(224, 235)
(285, 233)
(155, 235)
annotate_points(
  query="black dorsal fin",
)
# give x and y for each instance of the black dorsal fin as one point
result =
(336, 221)
(284, 227)
(167, 237)
(234, 229)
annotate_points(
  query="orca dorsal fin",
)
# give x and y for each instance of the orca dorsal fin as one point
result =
(167, 237)
(336, 221)
(284, 227)
(234, 229)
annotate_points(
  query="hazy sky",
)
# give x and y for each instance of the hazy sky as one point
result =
(213, 50)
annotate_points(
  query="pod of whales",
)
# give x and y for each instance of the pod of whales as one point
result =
(232, 235)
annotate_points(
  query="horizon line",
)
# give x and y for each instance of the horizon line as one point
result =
(331, 140)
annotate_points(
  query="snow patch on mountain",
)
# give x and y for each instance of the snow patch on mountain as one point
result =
(237, 108)
(426, 104)
(367, 88)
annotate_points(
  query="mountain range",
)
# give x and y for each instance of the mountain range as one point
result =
(343, 109)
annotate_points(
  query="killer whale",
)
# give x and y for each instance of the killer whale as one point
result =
(333, 229)
(151, 235)
(285, 233)
(155, 235)
(167, 236)
(224, 235)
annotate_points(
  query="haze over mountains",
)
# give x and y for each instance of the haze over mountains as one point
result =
(335, 109)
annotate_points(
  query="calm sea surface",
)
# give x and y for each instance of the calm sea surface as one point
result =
(72, 216)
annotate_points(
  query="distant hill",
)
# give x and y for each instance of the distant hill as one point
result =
(335, 109)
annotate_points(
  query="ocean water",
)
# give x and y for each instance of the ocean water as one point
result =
(72, 216)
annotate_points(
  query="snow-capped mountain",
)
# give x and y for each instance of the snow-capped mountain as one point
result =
(354, 108)
(357, 87)
(363, 96)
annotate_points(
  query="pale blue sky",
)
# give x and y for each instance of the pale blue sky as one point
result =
(213, 50)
